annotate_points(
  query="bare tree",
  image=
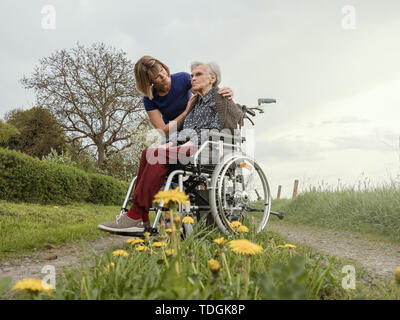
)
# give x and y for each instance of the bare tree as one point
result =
(91, 91)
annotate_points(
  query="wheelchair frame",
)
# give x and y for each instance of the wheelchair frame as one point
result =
(212, 180)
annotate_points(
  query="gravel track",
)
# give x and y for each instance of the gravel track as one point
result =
(379, 257)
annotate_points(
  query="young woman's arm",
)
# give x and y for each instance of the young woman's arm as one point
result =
(158, 122)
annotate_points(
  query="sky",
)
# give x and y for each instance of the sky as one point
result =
(333, 66)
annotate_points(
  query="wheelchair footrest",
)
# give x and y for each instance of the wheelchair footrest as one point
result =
(152, 231)
(278, 214)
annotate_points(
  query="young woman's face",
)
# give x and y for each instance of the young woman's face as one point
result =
(162, 78)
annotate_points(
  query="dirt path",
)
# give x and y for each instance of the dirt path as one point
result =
(59, 257)
(379, 257)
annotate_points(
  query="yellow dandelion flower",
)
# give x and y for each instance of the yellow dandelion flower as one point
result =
(32, 284)
(245, 247)
(288, 245)
(177, 219)
(169, 252)
(134, 241)
(112, 264)
(123, 253)
(169, 230)
(146, 234)
(214, 265)
(220, 241)
(188, 219)
(245, 165)
(159, 244)
(172, 195)
(141, 248)
(235, 224)
(55, 207)
(242, 229)
(397, 274)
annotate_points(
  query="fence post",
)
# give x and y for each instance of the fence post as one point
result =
(279, 192)
(296, 183)
(258, 196)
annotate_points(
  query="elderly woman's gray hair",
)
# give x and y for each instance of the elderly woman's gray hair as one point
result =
(213, 69)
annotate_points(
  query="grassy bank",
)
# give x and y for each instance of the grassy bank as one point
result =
(25, 228)
(273, 273)
(374, 212)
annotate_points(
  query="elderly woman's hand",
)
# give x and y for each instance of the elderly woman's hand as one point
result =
(226, 92)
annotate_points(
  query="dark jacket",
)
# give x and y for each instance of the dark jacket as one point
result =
(230, 114)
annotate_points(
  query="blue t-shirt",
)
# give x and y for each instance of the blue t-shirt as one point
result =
(175, 101)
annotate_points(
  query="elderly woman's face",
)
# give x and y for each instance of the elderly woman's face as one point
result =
(201, 79)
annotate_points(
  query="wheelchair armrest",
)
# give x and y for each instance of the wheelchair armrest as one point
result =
(223, 136)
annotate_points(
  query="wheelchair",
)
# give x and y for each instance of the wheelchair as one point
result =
(233, 187)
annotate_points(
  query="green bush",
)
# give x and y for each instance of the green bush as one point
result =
(106, 189)
(23, 178)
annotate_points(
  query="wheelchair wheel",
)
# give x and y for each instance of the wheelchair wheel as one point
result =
(239, 192)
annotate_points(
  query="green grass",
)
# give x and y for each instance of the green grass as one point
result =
(25, 228)
(373, 212)
(275, 273)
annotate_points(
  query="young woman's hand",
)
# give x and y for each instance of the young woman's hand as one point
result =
(190, 103)
(226, 92)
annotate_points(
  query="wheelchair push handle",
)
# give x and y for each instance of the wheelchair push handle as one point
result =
(251, 111)
(265, 100)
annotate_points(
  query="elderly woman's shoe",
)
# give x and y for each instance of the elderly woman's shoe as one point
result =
(122, 224)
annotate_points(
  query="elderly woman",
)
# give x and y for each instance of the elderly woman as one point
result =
(209, 110)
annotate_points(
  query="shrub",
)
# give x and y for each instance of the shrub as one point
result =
(23, 178)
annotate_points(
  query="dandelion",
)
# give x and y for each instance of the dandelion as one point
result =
(134, 241)
(146, 234)
(141, 248)
(172, 195)
(169, 230)
(188, 219)
(288, 245)
(235, 224)
(214, 265)
(397, 275)
(55, 207)
(112, 264)
(120, 253)
(245, 247)
(242, 229)
(32, 285)
(245, 165)
(177, 219)
(169, 252)
(220, 241)
(159, 244)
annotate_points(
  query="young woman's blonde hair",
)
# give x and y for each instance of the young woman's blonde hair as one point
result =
(146, 69)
